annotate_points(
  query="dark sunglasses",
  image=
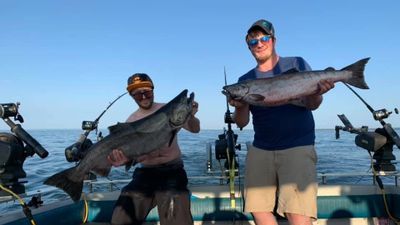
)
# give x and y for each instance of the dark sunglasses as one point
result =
(254, 41)
(139, 95)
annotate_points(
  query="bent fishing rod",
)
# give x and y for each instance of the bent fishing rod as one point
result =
(96, 121)
(76, 151)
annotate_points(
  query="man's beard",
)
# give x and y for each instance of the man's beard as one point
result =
(262, 58)
(143, 106)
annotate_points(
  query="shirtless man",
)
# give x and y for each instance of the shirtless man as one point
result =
(160, 179)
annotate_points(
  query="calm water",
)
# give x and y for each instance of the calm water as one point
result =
(334, 156)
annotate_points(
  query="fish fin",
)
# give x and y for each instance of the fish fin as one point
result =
(329, 69)
(117, 127)
(293, 70)
(102, 171)
(64, 181)
(256, 97)
(191, 97)
(357, 78)
(172, 137)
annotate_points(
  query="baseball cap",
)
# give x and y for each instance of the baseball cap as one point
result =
(139, 80)
(263, 25)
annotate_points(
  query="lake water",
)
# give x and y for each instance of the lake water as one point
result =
(334, 156)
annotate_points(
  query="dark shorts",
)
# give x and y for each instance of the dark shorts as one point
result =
(164, 187)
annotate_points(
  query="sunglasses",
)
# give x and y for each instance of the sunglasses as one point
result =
(141, 94)
(253, 42)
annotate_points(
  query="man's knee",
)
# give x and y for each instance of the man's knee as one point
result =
(264, 218)
(297, 219)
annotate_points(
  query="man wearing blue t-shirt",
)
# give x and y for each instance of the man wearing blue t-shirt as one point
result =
(281, 162)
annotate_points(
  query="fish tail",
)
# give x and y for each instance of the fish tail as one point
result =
(357, 77)
(63, 181)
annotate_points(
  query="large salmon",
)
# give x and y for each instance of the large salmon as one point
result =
(134, 139)
(293, 84)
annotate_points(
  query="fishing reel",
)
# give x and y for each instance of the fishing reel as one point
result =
(225, 149)
(10, 110)
(78, 150)
(380, 142)
(15, 147)
(226, 145)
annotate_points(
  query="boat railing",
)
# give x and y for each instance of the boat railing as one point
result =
(322, 178)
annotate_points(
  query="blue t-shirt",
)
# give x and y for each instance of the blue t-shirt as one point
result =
(286, 126)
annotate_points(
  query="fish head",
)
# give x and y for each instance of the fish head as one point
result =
(181, 111)
(236, 91)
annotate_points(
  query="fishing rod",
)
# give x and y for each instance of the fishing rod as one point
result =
(380, 141)
(9, 110)
(89, 125)
(225, 149)
(77, 151)
(379, 115)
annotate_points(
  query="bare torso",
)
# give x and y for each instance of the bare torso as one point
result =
(162, 155)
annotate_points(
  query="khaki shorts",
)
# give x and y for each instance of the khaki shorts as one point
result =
(283, 177)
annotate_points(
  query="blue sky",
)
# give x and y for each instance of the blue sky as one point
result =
(65, 61)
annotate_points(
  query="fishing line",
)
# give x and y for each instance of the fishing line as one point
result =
(25, 208)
